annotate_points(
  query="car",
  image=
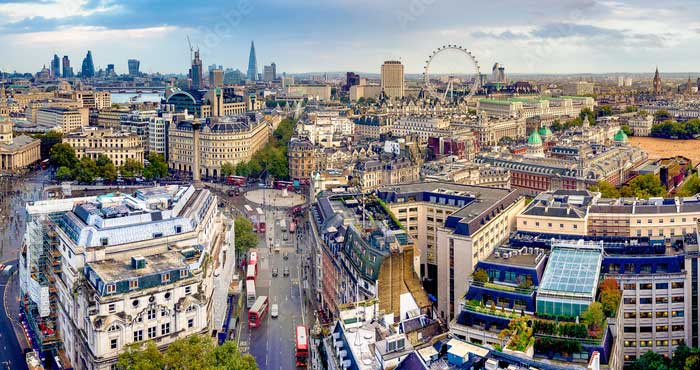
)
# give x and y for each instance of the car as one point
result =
(286, 271)
(285, 255)
(277, 246)
(274, 310)
(222, 205)
(274, 272)
(230, 193)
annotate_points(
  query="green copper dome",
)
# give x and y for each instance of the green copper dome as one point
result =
(534, 138)
(545, 131)
(620, 136)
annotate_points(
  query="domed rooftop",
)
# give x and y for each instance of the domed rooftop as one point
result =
(545, 131)
(620, 136)
(534, 138)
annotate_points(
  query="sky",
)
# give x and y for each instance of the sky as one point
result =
(527, 36)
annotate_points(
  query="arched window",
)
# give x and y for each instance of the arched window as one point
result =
(113, 328)
(191, 308)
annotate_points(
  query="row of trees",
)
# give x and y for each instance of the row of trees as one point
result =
(642, 186)
(684, 358)
(271, 158)
(195, 352)
(245, 237)
(676, 130)
(86, 170)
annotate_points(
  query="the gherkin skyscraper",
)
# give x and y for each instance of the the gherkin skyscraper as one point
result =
(252, 64)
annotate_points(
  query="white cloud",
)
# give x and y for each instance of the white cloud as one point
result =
(90, 35)
(58, 9)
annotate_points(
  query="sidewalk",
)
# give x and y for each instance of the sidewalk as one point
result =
(12, 306)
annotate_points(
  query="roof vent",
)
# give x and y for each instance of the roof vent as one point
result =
(138, 262)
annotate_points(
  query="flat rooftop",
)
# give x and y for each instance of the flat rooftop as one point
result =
(506, 257)
(111, 270)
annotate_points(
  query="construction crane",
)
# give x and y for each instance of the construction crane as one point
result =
(191, 49)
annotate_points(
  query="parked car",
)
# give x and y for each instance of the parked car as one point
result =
(274, 310)
(286, 271)
(274, 272)
(285, 255)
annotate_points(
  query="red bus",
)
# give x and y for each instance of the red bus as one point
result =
(236, 180)
(253, 261)
(250, 272)
(284, 185)
(257, 312)
(302, 346)
(292, 227)
(261, 220)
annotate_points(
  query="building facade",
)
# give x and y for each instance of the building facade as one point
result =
(118, 146)
(392, 79)
(301, 158)
(231, 139)
(69, 119)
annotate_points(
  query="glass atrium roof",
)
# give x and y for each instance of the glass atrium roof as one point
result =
(572, 270)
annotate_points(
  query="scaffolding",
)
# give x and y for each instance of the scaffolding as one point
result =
(44, 267)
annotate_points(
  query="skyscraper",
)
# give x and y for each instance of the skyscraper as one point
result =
(252, 64)
(196, 71)
(351, 79)
(216, 78)
(110, 72)
(134, 65)
(67, 70)
(88, 67)
(270, 72)
(498, 73)
(55, 67)
(392, 79)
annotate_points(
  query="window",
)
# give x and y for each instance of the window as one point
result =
(677, 285)
(151, 332)
(113, 343)
(165, 328)
(112, 307)
(630, 329)
(677, 299)
(646, 268)
(630, 315)
(661, 286)
(630, 343)
(645, 315)
(630, 300)
(178, 229)
(183, 273)
(113, 328)
(190, 323)
(151, 314)
(678, 313)
(660, 314)
(111, 288)
(645, 286)
(660, 300)
(645, 300)
(629, 286)
(660, 328)
(629, 267)
(138, 335)
(164, 278)
(678, 327)
(645, 329)
(133, 284)
(188, 290)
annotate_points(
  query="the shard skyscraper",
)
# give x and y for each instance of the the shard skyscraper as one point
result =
(252, 64)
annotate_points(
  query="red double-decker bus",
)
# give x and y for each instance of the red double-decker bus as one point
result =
(302, 346)
(236, 180)
(284, 185)
(250, 273)
(257, 312)
(253, 261)
(261, 220)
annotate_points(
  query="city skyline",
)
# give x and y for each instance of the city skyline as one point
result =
(526, 37)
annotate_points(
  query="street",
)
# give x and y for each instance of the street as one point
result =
(11, 354)
(273, 343)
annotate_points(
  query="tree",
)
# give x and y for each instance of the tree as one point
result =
(64, 173)
(480, 275)
(606, 190)
(650, 361)
(627, 130)
(604, 110)
(644, 186)
(63, 155)
(242, 169)
(690, 187)
(131, 168)
(594, 316)
(193, 352)
(245, 238)
(48, 140)
(662, 115)
(106, 169)
(680, 355)
(609, 297)
(587, 112)
(86, 171)
(227, 169)
(157, 167)
(631, 109)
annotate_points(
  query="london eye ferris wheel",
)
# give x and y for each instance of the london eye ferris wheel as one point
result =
(451, 74)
